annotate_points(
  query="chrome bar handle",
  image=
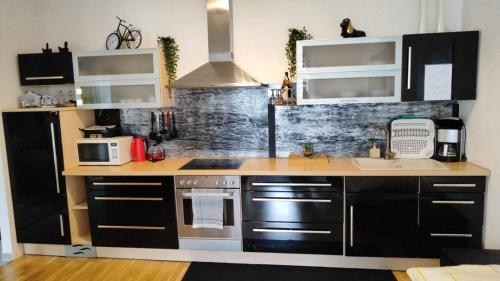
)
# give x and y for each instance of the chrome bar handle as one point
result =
(466, 202)
(459, 235)
(351, 218)
(302, 231)
(131, 227)
(29, 78)
(54, 154)
(127, 183)
(291, 184)
(454, 185)
(268, 199)
(408, 81)
(61, 224)
(206, 194)
(101, 198)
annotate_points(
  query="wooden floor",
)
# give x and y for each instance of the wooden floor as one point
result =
(35, 268)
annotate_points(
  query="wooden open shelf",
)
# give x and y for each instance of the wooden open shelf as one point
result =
(78, 215)
(81, 206)
(82, 239)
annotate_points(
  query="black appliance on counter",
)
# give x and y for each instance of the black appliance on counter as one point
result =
(450, 140)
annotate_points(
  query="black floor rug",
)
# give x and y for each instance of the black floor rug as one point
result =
(200, 271)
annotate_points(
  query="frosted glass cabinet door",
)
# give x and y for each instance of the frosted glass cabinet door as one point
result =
(382, 86)
(136, 94)
(353, 54)
(116, 64)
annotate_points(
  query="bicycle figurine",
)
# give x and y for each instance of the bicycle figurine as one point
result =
(131, 35)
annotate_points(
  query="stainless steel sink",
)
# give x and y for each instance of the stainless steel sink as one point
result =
(398, 164)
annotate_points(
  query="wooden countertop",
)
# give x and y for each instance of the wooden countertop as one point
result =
(36, 109)
(271, 166)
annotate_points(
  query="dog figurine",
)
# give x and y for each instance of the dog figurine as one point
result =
(348, 31)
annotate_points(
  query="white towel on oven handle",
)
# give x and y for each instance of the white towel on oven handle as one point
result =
(208, 210)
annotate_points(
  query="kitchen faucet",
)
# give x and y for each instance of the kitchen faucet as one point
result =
(387, 153)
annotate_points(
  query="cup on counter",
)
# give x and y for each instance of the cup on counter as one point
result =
(138, 150)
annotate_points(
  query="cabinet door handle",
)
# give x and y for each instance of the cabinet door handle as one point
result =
(351, 223)
(268, 199)
(128, 198)
(127, 183)
(61, 224)
(458, 235)
(408, 81)
(43, 78)
(465, 202)
(454, 185)
(131, 227)
(291, 184)
(303, 231)
(54, 154)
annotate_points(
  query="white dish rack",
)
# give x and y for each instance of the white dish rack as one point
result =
(412, 138)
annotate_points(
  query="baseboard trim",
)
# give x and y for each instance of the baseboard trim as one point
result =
(265, 258)
(44, 249)
(6, 257)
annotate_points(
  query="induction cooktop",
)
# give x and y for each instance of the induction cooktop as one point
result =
(213, 164)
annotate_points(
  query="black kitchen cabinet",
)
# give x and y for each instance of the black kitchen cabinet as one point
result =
(457, 48)
(433, 239)
(132, 212)
(280, 237)
(381, 216)
(45, 69)
(451, 214)
(35, 161)
(285, 214)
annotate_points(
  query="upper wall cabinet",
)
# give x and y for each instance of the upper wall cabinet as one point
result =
(120, 79)
(449, 60)
(353, 70)
(45, 69)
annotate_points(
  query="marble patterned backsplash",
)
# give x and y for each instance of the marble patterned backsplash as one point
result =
(233, 123)
(343, 130)
(212, 123)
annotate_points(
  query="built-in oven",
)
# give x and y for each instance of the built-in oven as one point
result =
(189, 188)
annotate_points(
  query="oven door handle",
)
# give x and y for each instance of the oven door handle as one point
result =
(206, 194)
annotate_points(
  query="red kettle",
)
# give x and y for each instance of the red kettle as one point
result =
(137, 148)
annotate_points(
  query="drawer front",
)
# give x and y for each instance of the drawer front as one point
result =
(286, 183)
(433, 239)
(292, 206)
(129, 210)
(137, 236)
(382, 184)
(310, 238)
(451, 209)
(133, 186)
(453, 184)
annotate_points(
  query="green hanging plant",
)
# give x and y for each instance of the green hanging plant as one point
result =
(171, 53)
(294, 35)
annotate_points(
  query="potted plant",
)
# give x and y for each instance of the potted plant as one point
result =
(294, 34)
(170, 51)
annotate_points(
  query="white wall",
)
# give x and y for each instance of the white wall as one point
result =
(483, 128)
(260, 26)
(19, 33)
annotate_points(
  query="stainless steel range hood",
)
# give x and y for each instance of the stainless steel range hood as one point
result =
(220, 71)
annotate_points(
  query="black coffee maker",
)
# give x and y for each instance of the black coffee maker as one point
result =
(450, 140)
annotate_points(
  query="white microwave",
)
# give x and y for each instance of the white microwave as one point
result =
(104, 151)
